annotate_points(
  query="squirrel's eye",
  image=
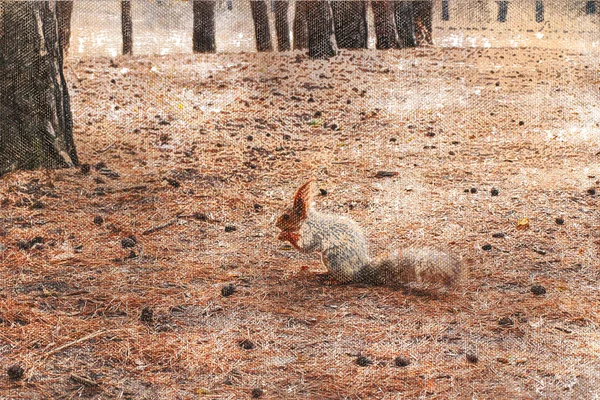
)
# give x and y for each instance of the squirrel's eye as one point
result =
(286, 216)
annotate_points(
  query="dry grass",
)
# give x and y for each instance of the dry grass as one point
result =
(177, 131)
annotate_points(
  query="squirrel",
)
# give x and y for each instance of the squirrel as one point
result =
(344, 249)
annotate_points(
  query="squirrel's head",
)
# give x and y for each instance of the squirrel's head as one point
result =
(292, 218)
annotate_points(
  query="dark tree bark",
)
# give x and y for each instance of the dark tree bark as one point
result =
(321, 36)
(539, 11)
(385, 25)
(502, 10)
(350, 23)
(282, 27)
(37, 127)
(423, 13)
(262, 33)
(300, 27)
(403, 12)
(204, 26)
(590, 7)
(64, 10)
(127, 27)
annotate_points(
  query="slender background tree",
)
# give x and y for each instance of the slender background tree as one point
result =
(262, 32)
(282, 27)
(127, 27)
(350, 23)
(385, 25)
(321, 37)
(204, 26)
(300, 27)
(404, 22)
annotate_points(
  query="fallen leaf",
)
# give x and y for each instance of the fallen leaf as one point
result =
(523, 224)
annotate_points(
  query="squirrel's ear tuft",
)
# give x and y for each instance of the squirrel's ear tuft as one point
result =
(303, 198)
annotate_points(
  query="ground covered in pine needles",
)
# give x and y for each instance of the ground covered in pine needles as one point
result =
(153, 271)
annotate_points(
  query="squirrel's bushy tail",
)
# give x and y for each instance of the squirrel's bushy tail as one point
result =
(421, 265)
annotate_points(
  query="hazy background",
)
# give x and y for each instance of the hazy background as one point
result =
(165, 26)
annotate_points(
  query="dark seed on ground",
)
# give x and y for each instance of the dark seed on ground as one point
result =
(286, 137)
(385, 174)
(323, 192)
(472, 358)
(538, 290)
(499, 235)
(228, 290)
(486, 247)
(128, 242)
(401, 361)
(247, 344)
(250, 138)
(37, 205)
(257, 393)
(98, 220)
(28, 244)
(257, 207)
(85, 169)
(505, 321)
(473, 190)
(15, 372)
(591, 191)
(494, 192)
(230, 228)
(560, 221)
(363, 361)
(173, 182)
(451, 153)
(147, 315)
(200, 216)
(521, 123)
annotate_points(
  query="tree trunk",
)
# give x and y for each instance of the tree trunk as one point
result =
(350, 23)
(423, 11)
(321, 36)
(262, 33)
(127, 27)
(204, 26)
(385, 26)
(539, 11)
(282, 27)
(502, 10)
(64, 10)
(37, 126)
(403, 12)
(300, 27)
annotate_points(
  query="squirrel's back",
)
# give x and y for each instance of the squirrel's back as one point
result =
(340, 241)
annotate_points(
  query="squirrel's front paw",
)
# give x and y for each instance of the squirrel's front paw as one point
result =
(291, 237)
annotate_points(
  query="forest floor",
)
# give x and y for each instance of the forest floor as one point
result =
(115, 278)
